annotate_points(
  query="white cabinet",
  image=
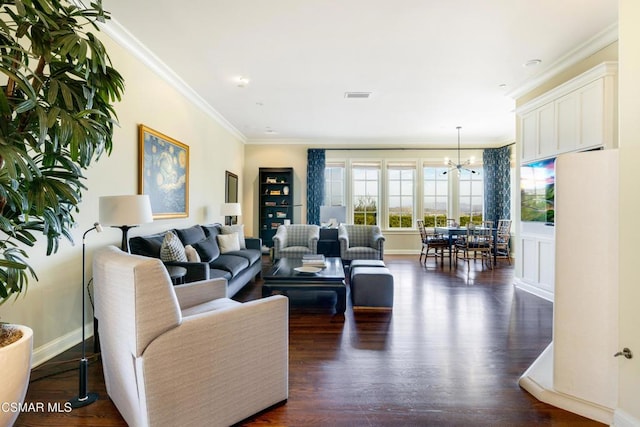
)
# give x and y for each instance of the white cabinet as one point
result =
(567, 122)
(578, 115)
(538, 133)
(529, 135)
(546, 131)
(592, 116)
(537, 264)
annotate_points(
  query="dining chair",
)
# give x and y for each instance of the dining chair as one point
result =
(431, 240)
(503, 235)
(478, 241)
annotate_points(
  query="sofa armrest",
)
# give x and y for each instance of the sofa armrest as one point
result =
(314, 236)
(195, 293)
(196, 271)
(280, 238)
(253, 243)
(378, 242)
(222, 357)
(376, 238)
(343, 238)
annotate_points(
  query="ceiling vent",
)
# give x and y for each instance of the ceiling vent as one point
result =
(357, 95)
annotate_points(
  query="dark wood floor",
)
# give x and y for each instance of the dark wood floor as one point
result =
(450, 353)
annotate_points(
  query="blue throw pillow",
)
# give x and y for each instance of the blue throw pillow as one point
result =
(207, 249)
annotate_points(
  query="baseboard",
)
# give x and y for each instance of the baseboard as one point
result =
(402, 252)
(534, 290)
(624, 419)
(59, 345)
(538, 380)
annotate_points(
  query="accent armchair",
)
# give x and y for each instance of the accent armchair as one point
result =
(187, 354)
(295, 240)
(360, 242)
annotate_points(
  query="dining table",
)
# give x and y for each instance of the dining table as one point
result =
(453, 232)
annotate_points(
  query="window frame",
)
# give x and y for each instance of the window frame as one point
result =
(366, 166)
(401, 166)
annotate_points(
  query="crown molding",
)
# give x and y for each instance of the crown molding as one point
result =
(601, 40)
(390, 143)
(129, 42)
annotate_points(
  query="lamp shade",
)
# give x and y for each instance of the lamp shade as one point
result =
(230, 209)
(125, 210)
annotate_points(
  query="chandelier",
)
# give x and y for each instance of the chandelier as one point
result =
(458, 166)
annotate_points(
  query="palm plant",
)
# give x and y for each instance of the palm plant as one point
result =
(56, 119)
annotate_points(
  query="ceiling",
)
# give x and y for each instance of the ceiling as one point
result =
(430, 65)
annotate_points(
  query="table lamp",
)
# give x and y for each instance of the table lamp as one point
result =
(125, 212)
(229, 210)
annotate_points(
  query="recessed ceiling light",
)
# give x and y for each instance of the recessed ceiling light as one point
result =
(502, 85)
(532, 63)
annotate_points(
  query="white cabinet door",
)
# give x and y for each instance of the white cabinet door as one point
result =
(592, 115)
(547, 145)
(567, 111)
(529, 138)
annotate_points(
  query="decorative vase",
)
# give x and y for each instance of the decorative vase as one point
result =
(285, 190)
(15, 360)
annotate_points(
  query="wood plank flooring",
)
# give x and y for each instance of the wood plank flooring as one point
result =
(450, 353)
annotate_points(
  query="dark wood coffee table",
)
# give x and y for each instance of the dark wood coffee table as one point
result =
(283, 277)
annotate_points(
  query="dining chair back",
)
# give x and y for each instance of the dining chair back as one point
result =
(478, 242)
(503, 235)
(431, 241)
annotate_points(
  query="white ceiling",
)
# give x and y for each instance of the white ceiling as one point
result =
(431, 65)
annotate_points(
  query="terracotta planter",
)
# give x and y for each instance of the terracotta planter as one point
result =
(15, 365)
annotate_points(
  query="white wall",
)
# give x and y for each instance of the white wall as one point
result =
(52, 306)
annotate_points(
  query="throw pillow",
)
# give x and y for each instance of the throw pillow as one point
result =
(228, 242)
(192, 254)
(172, 249)
(207, 249)
(239, 229)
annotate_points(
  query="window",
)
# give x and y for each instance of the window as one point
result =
(436, 195)
(366, 192)
(401, 201)
(334, 194)
(471, 196)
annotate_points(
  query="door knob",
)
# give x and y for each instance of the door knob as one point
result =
(625, 352)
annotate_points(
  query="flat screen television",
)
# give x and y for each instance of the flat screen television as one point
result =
(537, 189)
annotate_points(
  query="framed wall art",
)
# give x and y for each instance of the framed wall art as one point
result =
(231, 190)
(163, 173)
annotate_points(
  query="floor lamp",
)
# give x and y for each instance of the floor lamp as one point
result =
(84, 398)
(125, 212)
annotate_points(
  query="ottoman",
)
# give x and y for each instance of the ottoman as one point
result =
(371, 287)
(364, 263)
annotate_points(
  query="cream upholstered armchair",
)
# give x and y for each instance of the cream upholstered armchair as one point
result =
(295, 240)
(360, 242)
(186, 354)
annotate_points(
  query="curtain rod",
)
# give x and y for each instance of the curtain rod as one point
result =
(416, 148)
